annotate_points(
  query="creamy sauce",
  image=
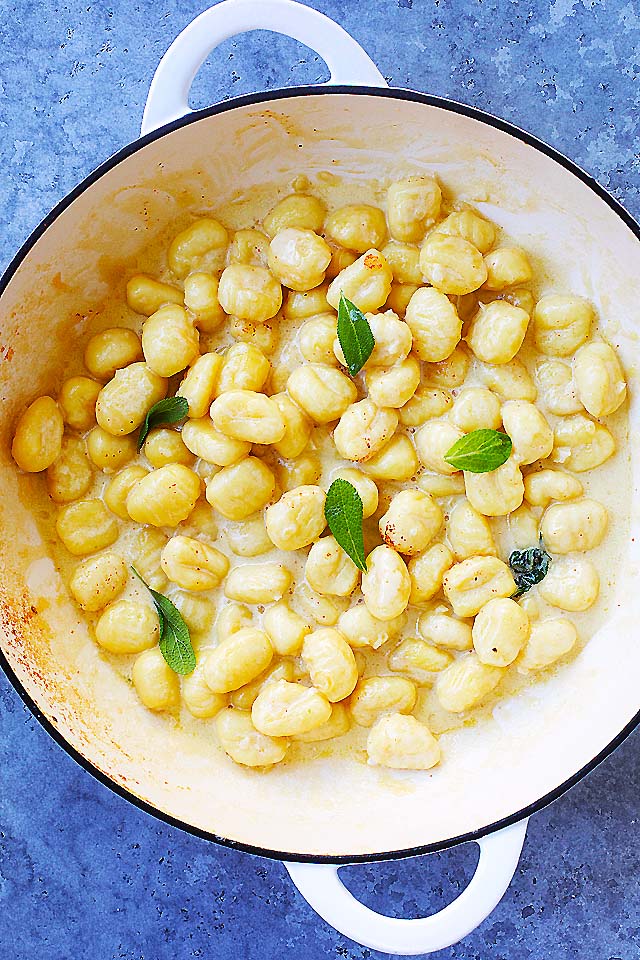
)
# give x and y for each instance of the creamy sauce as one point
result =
(610, 484)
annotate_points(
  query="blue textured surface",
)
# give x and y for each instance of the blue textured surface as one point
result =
(83, 873)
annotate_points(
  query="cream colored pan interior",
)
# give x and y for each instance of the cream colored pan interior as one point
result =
(332, 806)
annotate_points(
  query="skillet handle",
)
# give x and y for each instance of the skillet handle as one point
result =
(322, 888)
(169, 92)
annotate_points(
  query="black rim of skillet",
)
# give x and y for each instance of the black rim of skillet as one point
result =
(256, 99)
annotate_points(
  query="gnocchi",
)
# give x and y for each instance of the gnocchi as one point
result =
(497, 331)
(574, 527)
(418, 659)
(451, 264)
(386, 585)
(466, 682)
(548, 641)
(500, 631)
(356, 227)
(379, 695)
(330, 570)
(330, 662)
(155, 682)
(98, 580)
(245, 745)
(193, 564)
(530, 433)
(223, 510)
(402, 743)
(561, 324)
(363, 429)
(366, 282)
(411, 522)
(434, 324)
(600, 383)
(439, 627)
(164, 497)
(470, 584)
(37, 441)
(128, 626)
(413, 206)
(298, 258)
(239, 658)
(117, 490)
(497, 493)
(70, 475)
(284, 709)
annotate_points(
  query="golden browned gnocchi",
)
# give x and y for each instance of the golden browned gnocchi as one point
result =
(202, 441)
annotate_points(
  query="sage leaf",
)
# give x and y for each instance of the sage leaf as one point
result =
(480, 451)
(529, 567)
(355, 336)
(343, 513)
(171, 410)
(175, 639)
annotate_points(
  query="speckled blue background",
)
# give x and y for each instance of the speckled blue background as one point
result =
(83, 873)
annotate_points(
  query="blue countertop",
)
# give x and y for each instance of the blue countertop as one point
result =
(82, 872)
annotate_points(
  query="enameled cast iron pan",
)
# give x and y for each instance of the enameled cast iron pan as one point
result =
(332, 811)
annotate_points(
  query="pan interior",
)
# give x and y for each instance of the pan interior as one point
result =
(235, 162)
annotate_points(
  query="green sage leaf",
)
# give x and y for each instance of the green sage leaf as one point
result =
(175, 639)
(171, 410)
(529, 567)
(343, 513)
(480, 451)
(354, 334)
